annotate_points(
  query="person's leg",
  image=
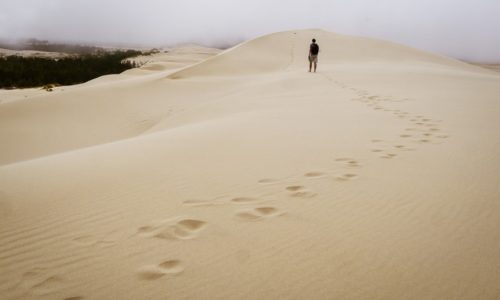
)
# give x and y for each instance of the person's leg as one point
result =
(310, 65)
(315, 66)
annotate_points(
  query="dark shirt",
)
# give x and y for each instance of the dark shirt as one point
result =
(314, 49)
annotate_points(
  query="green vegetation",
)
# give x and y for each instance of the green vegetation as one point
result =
(22, 72)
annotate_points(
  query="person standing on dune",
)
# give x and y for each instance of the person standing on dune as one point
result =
(313, 55)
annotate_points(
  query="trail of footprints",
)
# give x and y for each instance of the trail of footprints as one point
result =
(176, 229)
(247, 210)
(421, 130)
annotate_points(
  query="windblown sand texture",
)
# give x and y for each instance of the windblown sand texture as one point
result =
(243, 176)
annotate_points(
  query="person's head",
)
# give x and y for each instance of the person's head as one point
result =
(314, 40)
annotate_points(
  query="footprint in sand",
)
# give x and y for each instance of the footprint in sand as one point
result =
(424, 141)
(259, 213)
(168, 267)
(389, 156)
(349, 162)
(403, 148)
(195, 202)
(411, 129)
(346, 177)
(244, 200)
(298, 191)
(294, 188)
(184, 229)
(303, 194)
(192, 202)
(267, 180)
(314, 174)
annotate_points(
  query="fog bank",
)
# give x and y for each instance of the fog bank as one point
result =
(459, 28)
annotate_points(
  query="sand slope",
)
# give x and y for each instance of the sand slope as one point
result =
(246, 177)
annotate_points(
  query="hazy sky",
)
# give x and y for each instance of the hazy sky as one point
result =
(467, 29)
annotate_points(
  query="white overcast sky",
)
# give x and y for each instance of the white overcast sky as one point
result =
(467, 29)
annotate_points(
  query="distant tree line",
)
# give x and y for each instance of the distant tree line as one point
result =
(22, 72)
(40, 45)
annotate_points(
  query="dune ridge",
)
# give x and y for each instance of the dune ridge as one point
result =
(239, 175)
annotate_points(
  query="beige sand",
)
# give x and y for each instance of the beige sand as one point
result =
(246, 177)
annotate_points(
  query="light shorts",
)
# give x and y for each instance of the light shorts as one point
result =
(313, 59)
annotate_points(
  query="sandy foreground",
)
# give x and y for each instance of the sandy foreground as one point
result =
(242, 176)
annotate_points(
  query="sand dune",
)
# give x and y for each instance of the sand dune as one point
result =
(243, 176)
